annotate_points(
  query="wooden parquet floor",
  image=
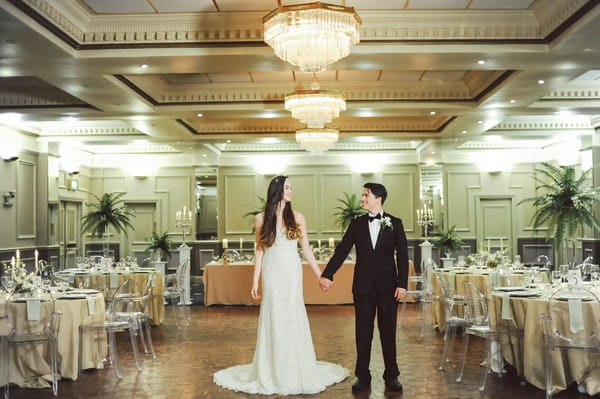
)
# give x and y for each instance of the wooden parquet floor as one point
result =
(221, 336)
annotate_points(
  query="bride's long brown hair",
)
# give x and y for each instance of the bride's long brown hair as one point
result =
(268, 230)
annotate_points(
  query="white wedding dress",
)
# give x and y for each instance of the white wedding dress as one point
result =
(284, 360)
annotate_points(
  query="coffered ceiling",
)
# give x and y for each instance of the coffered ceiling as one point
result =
(194, 76)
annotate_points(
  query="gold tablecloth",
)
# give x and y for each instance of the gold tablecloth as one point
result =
(29, 365)
(455, 279)
(528, 357)
(99, 281)
(231, 284)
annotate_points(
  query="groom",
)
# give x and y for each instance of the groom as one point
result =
(379, 282)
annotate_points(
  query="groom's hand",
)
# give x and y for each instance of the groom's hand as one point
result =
(400, 294)
(325, 283)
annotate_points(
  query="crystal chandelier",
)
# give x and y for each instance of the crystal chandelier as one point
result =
(313, 35)
(317, 140)
(315, 107)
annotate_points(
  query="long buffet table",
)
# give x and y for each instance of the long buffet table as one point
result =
(230, 284)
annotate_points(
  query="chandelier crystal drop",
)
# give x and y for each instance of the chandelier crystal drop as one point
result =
(317, 140)
(313, 35)
(315, 107)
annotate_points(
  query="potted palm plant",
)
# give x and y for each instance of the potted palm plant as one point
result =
(565, 204)
(159, 244)
(449, 241)
(350, 209)
(108, 211)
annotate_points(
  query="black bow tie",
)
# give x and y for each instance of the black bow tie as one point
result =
(378, 216)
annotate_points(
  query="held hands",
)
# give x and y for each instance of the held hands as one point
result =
(325, 283)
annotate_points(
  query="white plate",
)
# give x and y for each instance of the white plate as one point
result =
(508, 289)
(524, 294)
(72, 296)
(566, 297)
(84, 291)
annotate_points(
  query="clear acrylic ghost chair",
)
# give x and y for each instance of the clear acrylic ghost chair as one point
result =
(25, 332)
(454, 309)
(119, 317)
(423, 293)
(140, 314)
(174, 290)
(478, 324)
(4, 331)
(569, 324)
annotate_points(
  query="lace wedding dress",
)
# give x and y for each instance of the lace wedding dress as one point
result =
(284, 360)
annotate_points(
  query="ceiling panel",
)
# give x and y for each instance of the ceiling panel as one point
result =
(360, 75)
(437, 4)
(387, 75)
(246, 5)
(186, 78)
(443, 75)
(321, 76)
(119, 6)
(223, 77)
(272, 76)
(183, 5)
(503, 4)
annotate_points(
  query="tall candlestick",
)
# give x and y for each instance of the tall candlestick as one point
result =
(241, 243)
(488, 245)
(500, 243)
(18, 256)
(12, 261)
(331, 242)
(319, 243)
(225, 245)
(36, 260)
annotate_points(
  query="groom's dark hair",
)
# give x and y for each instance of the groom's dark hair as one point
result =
(378, 190)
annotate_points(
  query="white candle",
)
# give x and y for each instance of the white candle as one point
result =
(12, 261)
(225, 243)
(331, 242)
(319, 243)
(241, 243)
(18, 256)
(190, 215)
(500, 243)
(488, 245)
(36, 260)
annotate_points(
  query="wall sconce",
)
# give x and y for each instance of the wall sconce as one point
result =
(73, 185)
(10, 158)
(9, 197)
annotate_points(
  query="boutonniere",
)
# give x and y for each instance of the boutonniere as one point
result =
(386, 223)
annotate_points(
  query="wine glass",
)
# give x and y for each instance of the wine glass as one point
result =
(556, 278)
(9, 284)
(564, 272)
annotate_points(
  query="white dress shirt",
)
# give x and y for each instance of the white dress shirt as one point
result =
(374, 227)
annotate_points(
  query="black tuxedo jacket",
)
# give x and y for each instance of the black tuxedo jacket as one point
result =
(376, 268)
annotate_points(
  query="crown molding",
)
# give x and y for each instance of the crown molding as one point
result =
(90, 30)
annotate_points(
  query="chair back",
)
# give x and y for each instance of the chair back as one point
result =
(500, 277)
(476, 306)
(174, 282)
(121, 303)
(28, 322)
(572, 318)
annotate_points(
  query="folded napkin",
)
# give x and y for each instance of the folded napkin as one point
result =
(114, 280)
(71, 277)
(91, 305)
(506, 311)
(576, 315)
(33, 309)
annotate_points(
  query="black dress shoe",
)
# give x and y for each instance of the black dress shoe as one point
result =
(361, 386)
(393, 386)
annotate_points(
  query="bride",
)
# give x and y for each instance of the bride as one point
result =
(284, 359)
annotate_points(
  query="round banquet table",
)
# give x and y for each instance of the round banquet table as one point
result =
(29, 365)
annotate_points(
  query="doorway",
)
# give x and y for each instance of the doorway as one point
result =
(495, 226)
(69, 232)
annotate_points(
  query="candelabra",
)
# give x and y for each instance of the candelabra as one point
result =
(425, 219)
(183, 221)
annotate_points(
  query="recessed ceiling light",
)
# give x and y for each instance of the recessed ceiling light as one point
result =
(513, 101)
(432, 113)
(199, 114)
(203, 155)
(481, 62)
(143, 66)
(228, 141)
(541, 81)
(464, 132)
(480, 122)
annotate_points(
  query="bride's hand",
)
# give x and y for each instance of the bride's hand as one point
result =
(254, 293)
